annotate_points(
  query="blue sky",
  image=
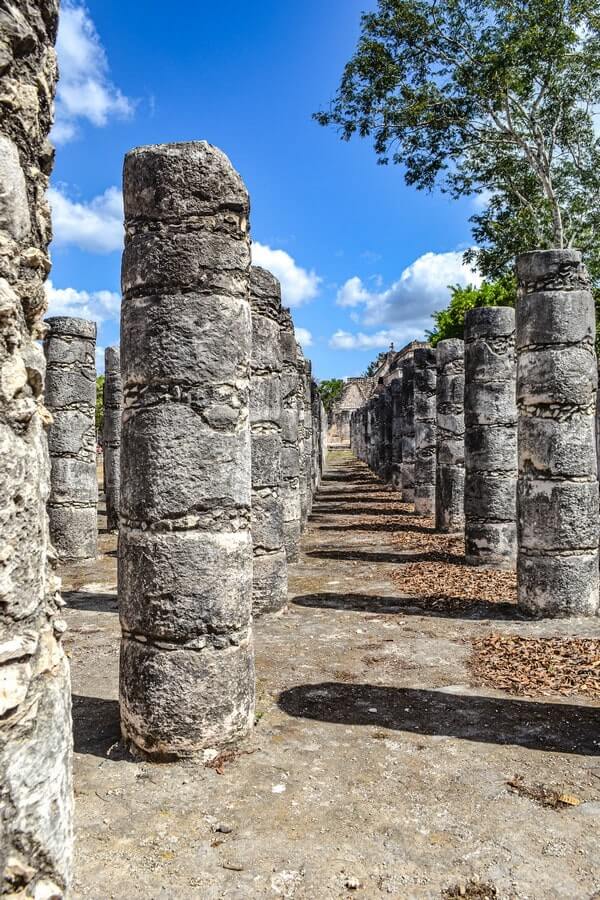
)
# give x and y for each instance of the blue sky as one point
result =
(362, 258)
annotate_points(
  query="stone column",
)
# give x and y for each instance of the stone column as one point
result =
(450, 462)
(557, 497)
(290, 455)
(301, 401)
(185, 547)
(386, 435)
(425, 430)
(269, 590)
(36, 802)
(407, 426)
(396, 449)
(308, 435)
(490, 438)
(70, 348)
(113, 404)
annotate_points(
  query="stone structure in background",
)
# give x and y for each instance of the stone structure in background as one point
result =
(355, 393)
(450, 464)
(316, 406)
(269, 591)
(490, 438)
(113, 405)
(35, 704)
(425, 378)
(557, 497)
(185, 554)
(385, 435)
(396, 448)
(290, 455)
(407, 430)
(70, 348)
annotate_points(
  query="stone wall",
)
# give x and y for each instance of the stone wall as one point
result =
(35, 708)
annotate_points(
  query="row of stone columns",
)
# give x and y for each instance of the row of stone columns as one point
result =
(494, 436)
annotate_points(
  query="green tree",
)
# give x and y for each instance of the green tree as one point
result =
(495, 97)
(330, 391)
(450, 322)
(99, 403)
(374, 364)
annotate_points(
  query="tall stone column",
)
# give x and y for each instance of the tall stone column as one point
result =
(557, 496)
(490, 438)
(70, 348)
(185, 562)
(269, 589)
(36, 802)
(308, 435)
(290, 454)
(396, 449)
(425, 374)
(407, 428)
(302, 443)
(450, 462)
(113, 405)
(385, 400)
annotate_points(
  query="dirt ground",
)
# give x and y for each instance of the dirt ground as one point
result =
(376, 767)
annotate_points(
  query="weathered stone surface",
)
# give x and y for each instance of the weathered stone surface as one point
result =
(290, 458)
(70, 348)
(396, 450)
(113, 407)
(185, 572)
(491, 451)
(35, 725)
(450, 471)
(269, 592)
(557, 498)
(407, 426)
(425, 380)
(303, 443)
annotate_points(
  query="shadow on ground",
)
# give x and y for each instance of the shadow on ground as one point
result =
(556, 727)
(381, 557)
(88, 602)
(96, 725)
(440, 607)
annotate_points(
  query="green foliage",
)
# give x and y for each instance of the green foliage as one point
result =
(450, 322)
(99, 403)
(492, 97)
(330, 391)
(374, 364)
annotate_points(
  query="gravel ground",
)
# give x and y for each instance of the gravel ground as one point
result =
(377, 768)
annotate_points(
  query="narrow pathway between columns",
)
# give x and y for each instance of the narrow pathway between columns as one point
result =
(377, 767)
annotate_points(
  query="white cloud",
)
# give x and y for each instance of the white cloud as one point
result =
(304, 337)
(380, 340)
(298, 285)
(101, 306)
(84, 88)
(481, 201)
(403, 311)
(100, 360)
(96, 226)
(421, 289)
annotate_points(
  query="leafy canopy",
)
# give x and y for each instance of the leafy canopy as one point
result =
(330, 391)
(450, 322)
(486, 96)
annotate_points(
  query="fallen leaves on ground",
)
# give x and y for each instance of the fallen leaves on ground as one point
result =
(472, 890)
(219, 761)
(441, 582)
(548, 797)
(533, 666)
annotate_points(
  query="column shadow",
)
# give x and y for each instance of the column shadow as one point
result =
(426, 606)
(555, 727)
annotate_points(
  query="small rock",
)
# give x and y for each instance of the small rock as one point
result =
(352, 883)
(223, 828)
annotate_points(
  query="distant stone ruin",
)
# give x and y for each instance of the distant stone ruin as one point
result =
(111, 433)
